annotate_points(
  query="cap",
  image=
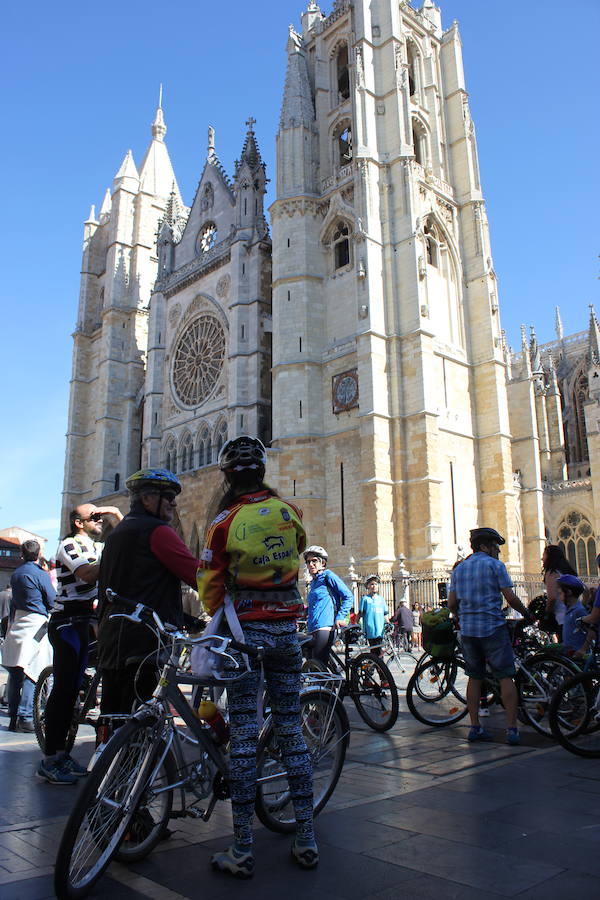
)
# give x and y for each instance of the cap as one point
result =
(571, 581)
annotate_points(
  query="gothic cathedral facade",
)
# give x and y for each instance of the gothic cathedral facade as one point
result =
(363, 344)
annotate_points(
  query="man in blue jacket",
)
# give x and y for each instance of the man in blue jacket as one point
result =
(32, 600)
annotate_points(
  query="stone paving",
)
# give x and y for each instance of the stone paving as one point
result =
(418, 813)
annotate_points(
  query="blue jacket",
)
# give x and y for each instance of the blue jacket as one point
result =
(32, 590)
(329, 600)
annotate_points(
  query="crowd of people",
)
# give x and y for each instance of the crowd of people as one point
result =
(252, 553)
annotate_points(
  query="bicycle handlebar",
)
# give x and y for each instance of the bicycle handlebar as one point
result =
(143, 614)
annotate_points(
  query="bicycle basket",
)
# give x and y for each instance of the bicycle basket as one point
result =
(439, 637)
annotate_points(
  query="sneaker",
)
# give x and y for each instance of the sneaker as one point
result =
(25, 725)
(68, 764)
(477, 733)
(55, 774)
(306, 857)
(513, 737)
(234, 862)
(12, 725)
(483, 712)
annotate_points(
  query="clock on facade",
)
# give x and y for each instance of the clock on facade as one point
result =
(344, 389)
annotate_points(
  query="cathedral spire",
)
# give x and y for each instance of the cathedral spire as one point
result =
(594, 337)
(250, 152)
(298, 107)
(156, 172)
(526, 359)
(127, 169)
(558, 325)
(106, 205)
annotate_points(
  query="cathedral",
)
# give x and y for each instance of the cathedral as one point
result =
(359, 336)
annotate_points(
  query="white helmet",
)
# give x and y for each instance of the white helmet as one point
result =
(315, 550)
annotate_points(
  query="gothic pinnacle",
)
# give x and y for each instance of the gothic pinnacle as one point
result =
(159, 129)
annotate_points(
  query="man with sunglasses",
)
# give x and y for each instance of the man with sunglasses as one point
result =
(144, 560)
(476, 590)
(77, 568)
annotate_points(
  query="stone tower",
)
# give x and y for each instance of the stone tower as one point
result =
(110, 340)
(389, 388)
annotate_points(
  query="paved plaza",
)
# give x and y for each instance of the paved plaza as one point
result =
(418, 813)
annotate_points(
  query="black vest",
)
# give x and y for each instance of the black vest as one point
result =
(129, 567)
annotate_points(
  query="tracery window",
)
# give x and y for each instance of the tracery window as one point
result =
(220, 437)
(576, 540)
(187, 453)
(580, 396)
(171, 455)
(198, 360)
(344, 144)
(204, 448)
(412, 58)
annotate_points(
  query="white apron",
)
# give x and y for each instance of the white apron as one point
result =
(27, 644)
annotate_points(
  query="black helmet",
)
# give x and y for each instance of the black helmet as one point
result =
(485, 536)
(160, 479)
(242, 452)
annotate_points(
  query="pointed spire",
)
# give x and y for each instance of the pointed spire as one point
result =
(106, 205)
(159, 129)
(210, 151)
(250, 151)
(127, 168)
(298, 107)
(558, 325)
(91, 219)
(594, 337)
(525, 358)
(156, 172)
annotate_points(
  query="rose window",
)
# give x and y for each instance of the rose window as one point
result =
(198, 360)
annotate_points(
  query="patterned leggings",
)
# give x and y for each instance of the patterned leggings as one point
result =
(282, 664)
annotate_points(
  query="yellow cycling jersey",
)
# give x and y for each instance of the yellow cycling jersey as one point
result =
(253, 546)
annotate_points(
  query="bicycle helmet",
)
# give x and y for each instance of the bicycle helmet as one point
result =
(315, 550)
(575, 586)
(160, 479)
(243, 452)
(485, 536)
(371, 578)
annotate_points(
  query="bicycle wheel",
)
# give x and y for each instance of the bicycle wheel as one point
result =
(373, 689)
(436, 692)
(537, 681)
(327, 733)
(575, 714)
(109, 808)
(43, 687)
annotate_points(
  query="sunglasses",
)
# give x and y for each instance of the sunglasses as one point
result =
(95, 517)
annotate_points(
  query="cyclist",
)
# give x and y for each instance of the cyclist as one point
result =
(252, 552)
(145, 561)
(329, 602)
(476, 590)
(570, 589)
(78, 566)
(374, 613)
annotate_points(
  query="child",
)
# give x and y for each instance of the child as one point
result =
(570, 589)
(373, 609)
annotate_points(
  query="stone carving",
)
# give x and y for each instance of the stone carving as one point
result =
(174, 314)
(223, 286)
(360, 70)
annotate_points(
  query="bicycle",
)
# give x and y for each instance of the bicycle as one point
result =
(366, 679)
(575, 710)
(86, 698)
(128, 798)
(436, 692)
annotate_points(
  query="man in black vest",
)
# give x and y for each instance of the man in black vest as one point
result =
(144, 560)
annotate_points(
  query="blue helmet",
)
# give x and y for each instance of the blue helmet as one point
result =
(159, 479)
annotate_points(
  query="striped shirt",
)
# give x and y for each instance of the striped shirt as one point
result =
(75, 596)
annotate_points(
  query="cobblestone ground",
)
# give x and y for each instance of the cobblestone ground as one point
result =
(418, 813)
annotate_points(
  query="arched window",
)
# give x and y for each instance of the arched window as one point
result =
(341, 245)
(576, 540)
(187, 453)
(171, 455)
(204, 448)
(342, 74)
(580, 396)
(117, 481)
(220, 437)
(342, 139)
(419, 142)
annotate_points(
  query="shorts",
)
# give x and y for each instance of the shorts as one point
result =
(495, 649)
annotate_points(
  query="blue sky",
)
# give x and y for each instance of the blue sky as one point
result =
(83, 89)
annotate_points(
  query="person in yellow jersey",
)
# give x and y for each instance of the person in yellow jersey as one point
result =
(252, 552)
